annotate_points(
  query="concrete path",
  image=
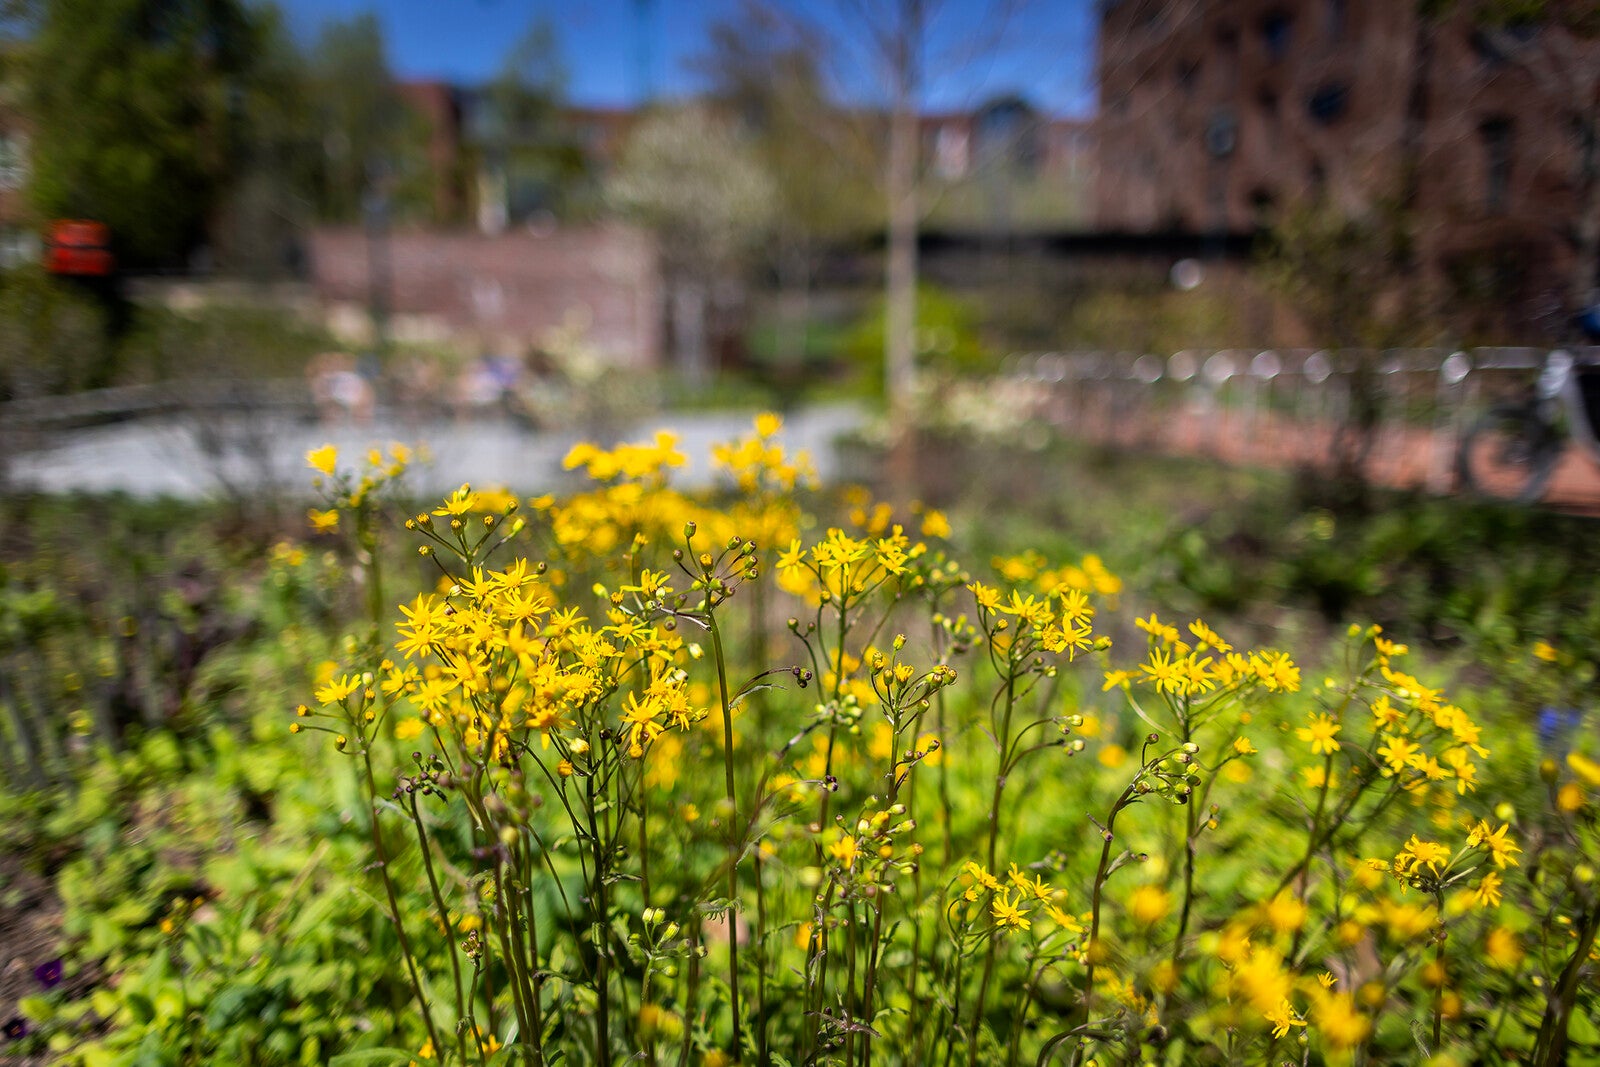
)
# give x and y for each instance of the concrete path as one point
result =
(188, 458)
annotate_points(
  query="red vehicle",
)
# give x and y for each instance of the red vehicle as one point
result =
(78, 247)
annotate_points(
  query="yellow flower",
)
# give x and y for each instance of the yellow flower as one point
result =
(1418, 854)
(1338, 1022)
(323, 459)
(1545, 651)
(1008, 914)
(1285, 913)
(988, 599)
(406, 729)
(1149, 904)
(1113, 756)
(1504, 949)
(1465, 770)
(1584, 767)
(1320, 732)
(934, 524)
(768, 424)
(1159, 630)
(337, 690)
(1162, 673)
(845, 851)
(1282, 1017)
(323, 521)
(1116, 680)
(1487, 892)
(1209, 638)
(459, 502)
(1397, 753)
(1496, 842)
(981, 876)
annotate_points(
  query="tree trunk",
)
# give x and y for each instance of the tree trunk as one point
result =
(900, 318)
(689, 328)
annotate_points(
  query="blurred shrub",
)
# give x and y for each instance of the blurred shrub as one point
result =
(948, 339)
(53, 337)
(218, 341)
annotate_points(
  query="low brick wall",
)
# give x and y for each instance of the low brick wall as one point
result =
(521, 284)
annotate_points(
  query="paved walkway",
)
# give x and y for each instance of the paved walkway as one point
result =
(192, 459)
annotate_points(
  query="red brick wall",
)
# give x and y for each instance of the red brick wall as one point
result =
(519, 283)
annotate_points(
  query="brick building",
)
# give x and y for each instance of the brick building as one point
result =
(1216, 113)
(517, 285)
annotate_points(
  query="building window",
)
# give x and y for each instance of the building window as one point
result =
(1497, 134)
(1227, 49)
(1276, 31)
(1262, 203)
(17, 247)
(13, 160)
(1187, 76)
(1328, 103)
(1335, 18)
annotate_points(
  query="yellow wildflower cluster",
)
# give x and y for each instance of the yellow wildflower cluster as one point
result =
(1420, 738)
(1257, 975)
(1058, 621)
(1088, 575)
(758, 463)
(493, 664)
(643, 462)
(842, 570)
(1019, 900)
(346, 491)
(1205, 667)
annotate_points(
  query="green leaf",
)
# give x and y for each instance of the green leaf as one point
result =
(372, 1057)
(1582, 1030)
(38, 1009)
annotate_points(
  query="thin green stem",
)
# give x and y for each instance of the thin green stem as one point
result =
(733, 842)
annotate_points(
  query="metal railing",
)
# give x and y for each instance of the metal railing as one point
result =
(98, 407)
(1284, 405)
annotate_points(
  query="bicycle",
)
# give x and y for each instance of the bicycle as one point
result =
(1511, 451)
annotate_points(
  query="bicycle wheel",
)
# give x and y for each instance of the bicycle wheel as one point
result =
(1508, 454)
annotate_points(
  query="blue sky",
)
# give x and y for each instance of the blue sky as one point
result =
(1046, 47)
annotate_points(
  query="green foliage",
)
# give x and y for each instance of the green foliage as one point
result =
(693, 178)
(1343, 274)
(1156, 318)
(136, 116)
(54, 337)
(220, 904)
(218, 341)
(948, 342)
(542, 165)
(369, 135)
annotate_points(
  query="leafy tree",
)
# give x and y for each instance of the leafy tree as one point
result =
(765, 70)
(269, 200)
(138, 117)
(524, 144)
(1340, 273)
(690, 177)
(369, 136)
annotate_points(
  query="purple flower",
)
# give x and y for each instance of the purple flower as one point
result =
(15, 1029)
(48, 974)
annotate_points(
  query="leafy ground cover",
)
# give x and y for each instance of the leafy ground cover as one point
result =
(704, 779)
